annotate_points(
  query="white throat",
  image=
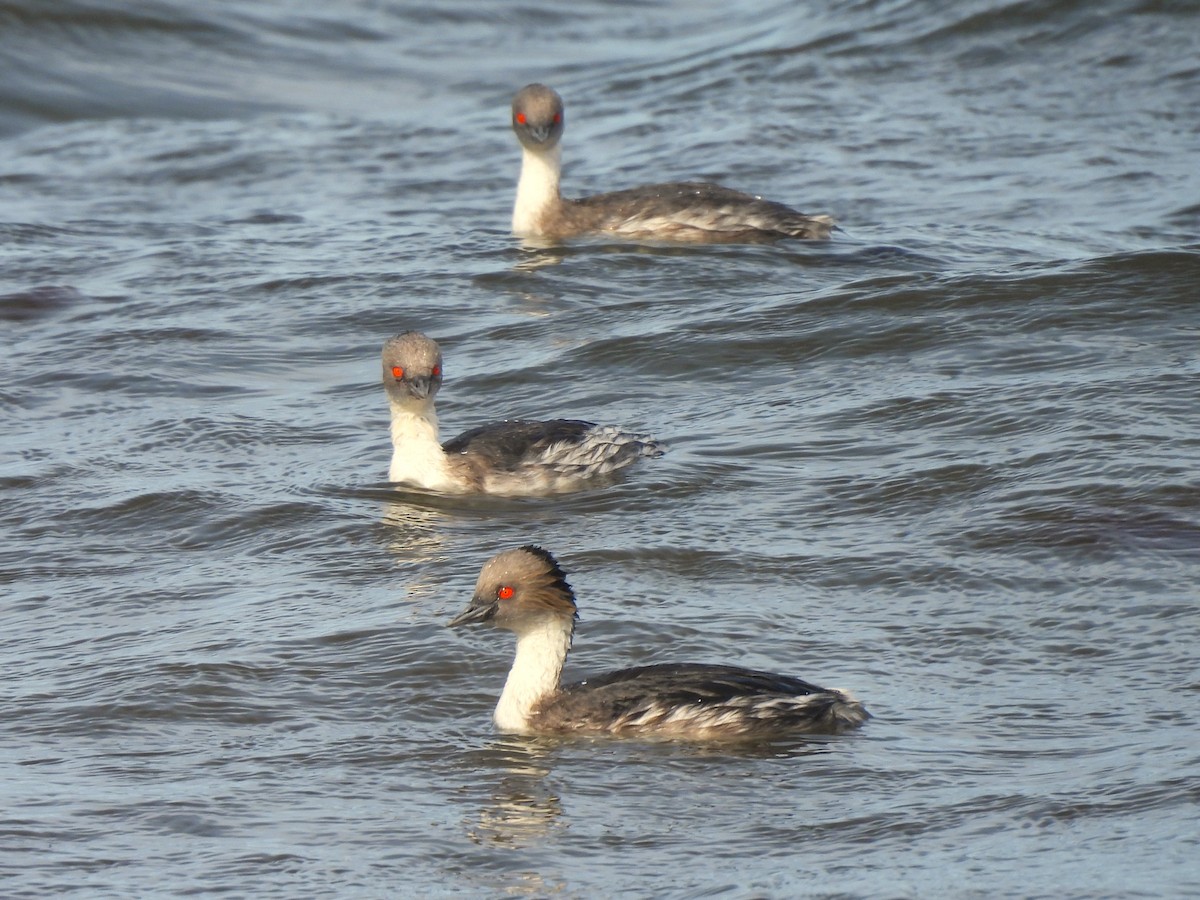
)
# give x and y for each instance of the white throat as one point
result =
(537, 189)
(417, 457)
(535, 674)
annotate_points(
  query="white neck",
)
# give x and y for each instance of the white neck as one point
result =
(417, 457)
(535, 674)
(537, 189)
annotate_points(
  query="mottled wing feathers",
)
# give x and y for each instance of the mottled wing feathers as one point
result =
(693, 682)
(524, 457)
(710, 209)
(508, 443)
(698, 701)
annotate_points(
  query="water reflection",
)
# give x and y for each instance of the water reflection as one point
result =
(536, 254)
(523, 808)
(415, 527)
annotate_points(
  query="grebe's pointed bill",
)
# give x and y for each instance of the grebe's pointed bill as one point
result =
(474, 614)
(420, 386)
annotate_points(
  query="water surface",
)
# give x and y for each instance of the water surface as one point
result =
(947, 460)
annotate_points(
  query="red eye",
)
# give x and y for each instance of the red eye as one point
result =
(557, 118)
(505, 593)
(397, 372)
(437, 372)
(520, 118)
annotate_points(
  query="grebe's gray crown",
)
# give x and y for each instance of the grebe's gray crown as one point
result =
(412, 366)
(518, 584)
(537, 116)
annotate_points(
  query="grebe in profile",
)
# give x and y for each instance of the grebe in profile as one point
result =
(695, 212)
(526, 592)
(511, 457)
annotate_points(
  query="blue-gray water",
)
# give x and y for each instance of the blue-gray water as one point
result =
(948, 460)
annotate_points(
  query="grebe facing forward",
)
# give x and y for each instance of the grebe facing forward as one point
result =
(695, 212)
(511, 457)
(526, 592)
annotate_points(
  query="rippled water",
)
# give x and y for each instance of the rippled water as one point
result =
(947, 461)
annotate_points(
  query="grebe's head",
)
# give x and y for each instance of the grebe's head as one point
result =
(412, 367)
(519, 588)
(537, 117)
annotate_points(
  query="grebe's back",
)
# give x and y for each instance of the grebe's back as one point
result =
(510, 457)
(700, 700)
(694, 212)
(525, 591)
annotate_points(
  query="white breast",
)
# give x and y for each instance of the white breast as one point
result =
(417, 457)
(535, 674)
(537, 190)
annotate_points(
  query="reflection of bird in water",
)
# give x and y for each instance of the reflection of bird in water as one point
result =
(523, 808)
(416, 534)
(525, 591)
(511, 457)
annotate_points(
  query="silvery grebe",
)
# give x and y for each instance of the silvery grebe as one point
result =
(695, 212)
(511, 457)
(526, 592)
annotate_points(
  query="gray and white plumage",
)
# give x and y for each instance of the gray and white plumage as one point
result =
(525, 591)
(509, 457)
(692, 212)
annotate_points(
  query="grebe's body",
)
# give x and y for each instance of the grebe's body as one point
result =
(525, 591)
(692, 212)
(512, 457)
